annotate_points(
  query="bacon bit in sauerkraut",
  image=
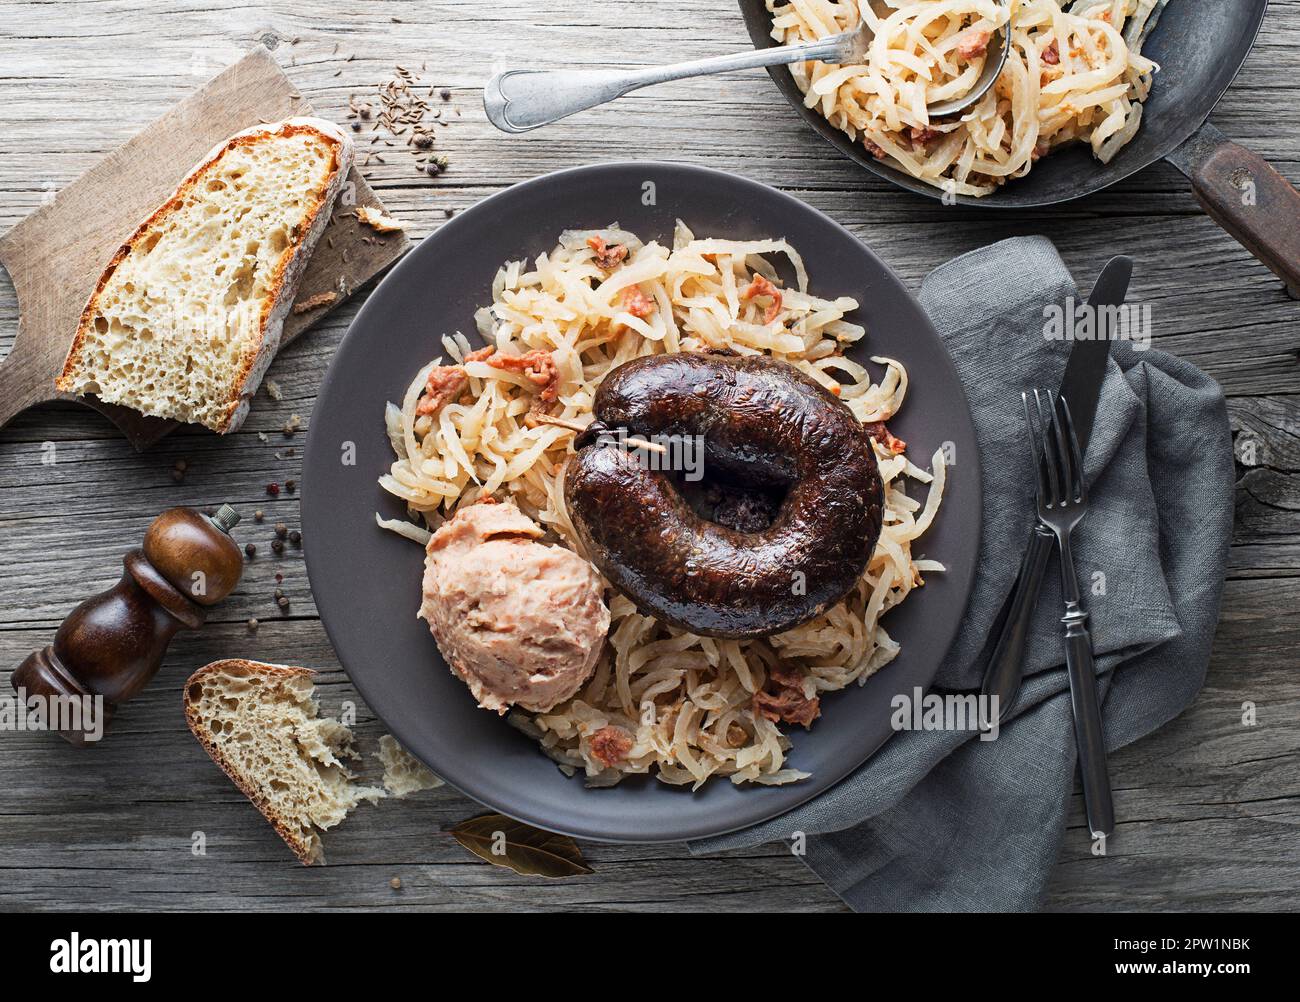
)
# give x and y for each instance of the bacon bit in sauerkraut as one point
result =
(610, 745)
(787, 702)
(760, 286)
(608, 256)
(637, 302)
(973, 43)
(537, 365)
(446, 383)
(881, 433)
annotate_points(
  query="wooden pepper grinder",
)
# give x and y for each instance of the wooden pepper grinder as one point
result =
(111, 645)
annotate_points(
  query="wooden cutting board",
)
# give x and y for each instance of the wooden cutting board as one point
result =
(56, 254)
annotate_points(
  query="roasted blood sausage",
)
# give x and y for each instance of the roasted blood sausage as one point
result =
(762, 424)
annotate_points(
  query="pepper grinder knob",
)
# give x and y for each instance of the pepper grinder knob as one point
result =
(112, 644)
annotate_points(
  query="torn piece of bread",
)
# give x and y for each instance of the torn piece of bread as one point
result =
(259, 723)
(377, 221)
(187, 316)
(404, 774)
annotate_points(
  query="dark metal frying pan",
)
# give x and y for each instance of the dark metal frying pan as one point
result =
(1200, 46)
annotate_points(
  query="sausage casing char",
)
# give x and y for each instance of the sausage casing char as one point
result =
(763, 423)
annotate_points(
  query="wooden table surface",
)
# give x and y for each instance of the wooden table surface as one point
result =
(1208, 806)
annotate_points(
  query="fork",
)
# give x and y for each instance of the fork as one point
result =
(1062, 505)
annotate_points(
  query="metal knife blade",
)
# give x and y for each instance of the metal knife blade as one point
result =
(1086, 368)
(1081, 387)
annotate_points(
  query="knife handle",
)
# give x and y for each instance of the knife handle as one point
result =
(1005, 669)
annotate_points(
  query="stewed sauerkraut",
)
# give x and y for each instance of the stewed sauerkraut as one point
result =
(660, 700)
(1075, 74)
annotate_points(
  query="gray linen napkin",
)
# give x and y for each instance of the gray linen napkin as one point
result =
(937, 820)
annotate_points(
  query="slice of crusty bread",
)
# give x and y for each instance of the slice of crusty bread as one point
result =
(259, 723)
(188, 314)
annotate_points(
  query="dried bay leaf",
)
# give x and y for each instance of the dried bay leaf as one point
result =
(526, 850)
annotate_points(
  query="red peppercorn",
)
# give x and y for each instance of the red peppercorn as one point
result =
(273, 489)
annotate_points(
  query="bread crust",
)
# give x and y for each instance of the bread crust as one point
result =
(239, 666)
(286, 274)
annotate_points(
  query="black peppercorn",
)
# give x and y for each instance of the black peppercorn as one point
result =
(295, 537)
(277, 546)
(282, 602)
(250, 549)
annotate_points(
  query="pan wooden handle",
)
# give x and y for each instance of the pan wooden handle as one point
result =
(1244, 194)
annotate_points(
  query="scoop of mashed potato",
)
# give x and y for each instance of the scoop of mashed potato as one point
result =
(519, 622)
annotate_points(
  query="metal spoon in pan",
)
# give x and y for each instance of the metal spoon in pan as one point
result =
(520, 100)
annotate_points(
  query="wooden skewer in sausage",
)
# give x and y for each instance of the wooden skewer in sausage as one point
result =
(573, 426)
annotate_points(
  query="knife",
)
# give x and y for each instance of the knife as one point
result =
(1081, 387)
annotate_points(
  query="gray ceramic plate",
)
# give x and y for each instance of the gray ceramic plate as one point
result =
(367, 581)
